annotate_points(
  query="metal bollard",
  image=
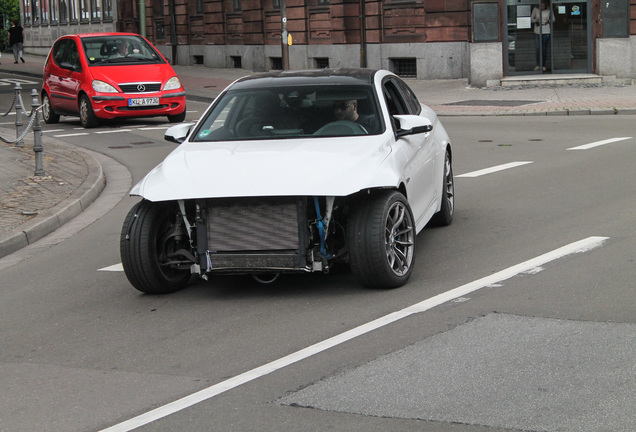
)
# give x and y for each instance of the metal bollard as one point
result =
(18, 115)
(37, 134)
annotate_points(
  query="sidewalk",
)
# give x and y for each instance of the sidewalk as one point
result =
(32, 207)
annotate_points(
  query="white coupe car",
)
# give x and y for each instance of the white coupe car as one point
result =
(294, 171)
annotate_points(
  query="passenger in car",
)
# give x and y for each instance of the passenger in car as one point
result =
(348, 110)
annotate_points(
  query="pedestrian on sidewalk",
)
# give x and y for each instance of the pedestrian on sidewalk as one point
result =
(16, 40)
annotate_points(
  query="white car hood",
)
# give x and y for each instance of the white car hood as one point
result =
(298, 167)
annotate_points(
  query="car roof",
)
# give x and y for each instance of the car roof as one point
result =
(341, 76)
(88, 35)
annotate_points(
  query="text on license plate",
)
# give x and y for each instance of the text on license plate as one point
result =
(143, 101)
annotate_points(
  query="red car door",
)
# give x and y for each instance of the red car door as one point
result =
(64, 74)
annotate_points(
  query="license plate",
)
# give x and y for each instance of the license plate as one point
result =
(143, 101)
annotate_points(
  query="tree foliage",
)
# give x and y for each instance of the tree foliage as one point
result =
(9, 10)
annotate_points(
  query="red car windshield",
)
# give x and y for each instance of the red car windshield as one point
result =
(105, 50)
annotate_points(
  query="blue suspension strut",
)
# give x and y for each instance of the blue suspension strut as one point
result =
(321, 230)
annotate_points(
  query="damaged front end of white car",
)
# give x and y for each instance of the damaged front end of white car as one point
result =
(267, 183)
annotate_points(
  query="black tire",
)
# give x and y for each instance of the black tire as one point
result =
(444, 216)
(48, 114)
(177, 118)
(142, 247)
(381, 240)
(88, 119)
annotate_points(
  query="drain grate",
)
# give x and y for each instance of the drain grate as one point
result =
(504, 103)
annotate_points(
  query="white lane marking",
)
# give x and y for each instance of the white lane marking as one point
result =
(599, 143)
(229, 384)
(494, 169)
(114, 268)
(113, 131)
(71, 135)
(154, 128)
(52, 130)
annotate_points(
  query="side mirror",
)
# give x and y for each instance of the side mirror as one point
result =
(69, 66)
(178, 133)
(412, 124)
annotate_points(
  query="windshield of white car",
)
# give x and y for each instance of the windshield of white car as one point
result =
(291, 112)
(119, 49)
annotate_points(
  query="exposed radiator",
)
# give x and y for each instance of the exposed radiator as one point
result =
(254, 233)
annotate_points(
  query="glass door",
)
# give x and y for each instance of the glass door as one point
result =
(571, 46)
(520, 56)
(553, 37)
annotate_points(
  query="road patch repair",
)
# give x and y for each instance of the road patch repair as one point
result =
(504, 371)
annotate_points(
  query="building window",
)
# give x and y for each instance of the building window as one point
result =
(107, 7)
(485, 22)
(45, 12)
(35, 12)
(53, 11)
(85, 11)
(96, 12)
(615, 19)
(276, 4)
(276, 63)
(321, 62)
(27, 12)
(323, 2)
(236, 5)
(63, 12)
(237, 62)
(199, 7)
(72, 11)
(404, 67)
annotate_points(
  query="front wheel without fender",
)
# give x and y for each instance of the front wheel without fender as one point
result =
(381, 240)
(147, 247)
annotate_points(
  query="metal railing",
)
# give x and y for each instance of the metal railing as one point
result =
(34, 124)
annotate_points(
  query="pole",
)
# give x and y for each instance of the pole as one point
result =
(363, 34)
(173, 31)
(142, 17)
(283, 35)
(19, 109)
(37, 134)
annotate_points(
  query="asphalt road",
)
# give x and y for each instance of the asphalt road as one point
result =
(524, 316)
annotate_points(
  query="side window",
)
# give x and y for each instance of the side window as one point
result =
(394, 99)
(411, 99)
(59, 51)
(73, 56)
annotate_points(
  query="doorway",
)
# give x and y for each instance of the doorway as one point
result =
(555, 38)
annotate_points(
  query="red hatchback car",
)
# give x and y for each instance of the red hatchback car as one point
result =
(109, 75)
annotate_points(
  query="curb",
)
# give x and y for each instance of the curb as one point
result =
(63, 212)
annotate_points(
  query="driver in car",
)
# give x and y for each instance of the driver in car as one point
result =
(348, 110)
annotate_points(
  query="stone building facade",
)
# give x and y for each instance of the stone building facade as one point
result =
(480, 40)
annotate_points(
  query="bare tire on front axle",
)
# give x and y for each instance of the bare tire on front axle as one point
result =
(381, 240)
(147, 247)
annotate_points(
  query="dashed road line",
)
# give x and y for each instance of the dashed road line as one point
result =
(71, 135)
(114, 268)
(494, 169)
(113, 131)
(599, 143)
